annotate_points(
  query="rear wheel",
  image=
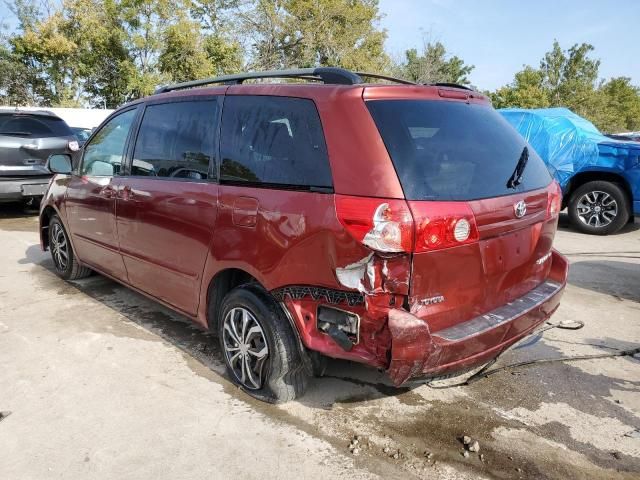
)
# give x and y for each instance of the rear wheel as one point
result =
(62, 253)
(259, 346)
(599, 208)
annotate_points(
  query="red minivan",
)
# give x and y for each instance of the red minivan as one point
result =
(403, 226)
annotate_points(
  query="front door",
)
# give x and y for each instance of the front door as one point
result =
(91, 197)
(167, 205)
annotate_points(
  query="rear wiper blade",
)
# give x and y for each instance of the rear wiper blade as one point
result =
(516, 176)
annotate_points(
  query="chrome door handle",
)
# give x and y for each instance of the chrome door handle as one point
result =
(108, 191)
(126, 193)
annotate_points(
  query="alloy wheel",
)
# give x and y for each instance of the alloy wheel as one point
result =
(245, 347)
(59, 247)
(597, 209)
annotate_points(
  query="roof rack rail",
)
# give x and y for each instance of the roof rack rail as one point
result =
(328, 75)
(449, 84)
(386, 77)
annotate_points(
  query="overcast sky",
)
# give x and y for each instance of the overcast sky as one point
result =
(499, 36)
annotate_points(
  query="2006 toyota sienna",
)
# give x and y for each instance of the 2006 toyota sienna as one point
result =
(403, 226)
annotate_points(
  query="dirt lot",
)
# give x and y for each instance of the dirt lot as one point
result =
(103, 383)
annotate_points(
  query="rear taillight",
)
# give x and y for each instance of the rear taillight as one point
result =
(381, 224)
(388, 225)
(554, 200)
(443, 225)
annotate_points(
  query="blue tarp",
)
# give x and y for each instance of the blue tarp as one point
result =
(569, 143)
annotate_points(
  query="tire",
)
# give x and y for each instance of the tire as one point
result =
(610, 201)
(60, 246)
(280, 375)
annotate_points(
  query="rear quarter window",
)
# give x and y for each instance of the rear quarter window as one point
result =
(446, 150)
(273, 141)
(33, 126)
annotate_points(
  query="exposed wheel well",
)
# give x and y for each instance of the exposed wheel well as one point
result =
(584, 177)
(45, 217)
(221, 284)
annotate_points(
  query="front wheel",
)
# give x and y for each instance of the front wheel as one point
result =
(64, 258)
(259, 346)
(599, 208)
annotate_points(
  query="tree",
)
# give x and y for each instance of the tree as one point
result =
(622, 106)
(104, 62)
(219, 26)
(145, 23)
(47, 53)
(18, 84)
(184, 55)
(526, 91)
(569, 78)
(433, 65)
(312, 33)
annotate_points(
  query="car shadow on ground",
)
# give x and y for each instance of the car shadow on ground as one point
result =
(19, 210)
(343, 382)
(349, 386)
(616, 278)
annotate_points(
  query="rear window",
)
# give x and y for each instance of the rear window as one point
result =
(445, 150)
(34, 126)
(273, 141)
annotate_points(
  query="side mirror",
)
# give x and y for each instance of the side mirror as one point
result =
(59, 163)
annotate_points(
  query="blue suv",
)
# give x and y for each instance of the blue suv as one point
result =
(599, 175)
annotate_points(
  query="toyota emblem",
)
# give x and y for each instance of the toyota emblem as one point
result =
(520, 209)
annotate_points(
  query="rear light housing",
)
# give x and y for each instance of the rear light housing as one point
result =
(391, 225)
(384, 225)
(443, 225)
(554, 200)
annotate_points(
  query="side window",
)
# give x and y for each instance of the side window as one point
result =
(176, 140)
(273, 140)
(103, 154)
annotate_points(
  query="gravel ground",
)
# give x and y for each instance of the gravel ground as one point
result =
(103, 383)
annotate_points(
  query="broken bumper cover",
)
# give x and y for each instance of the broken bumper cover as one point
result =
(417, 352)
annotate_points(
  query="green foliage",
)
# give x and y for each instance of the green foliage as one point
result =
(569, 78)
(433, 65)
(311, 33)
(107, 52)
(527, 91)
(184, 56)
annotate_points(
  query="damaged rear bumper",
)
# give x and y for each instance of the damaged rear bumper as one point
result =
(418, 352)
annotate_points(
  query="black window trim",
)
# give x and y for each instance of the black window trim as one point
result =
(213, 170)
(125, 152)
(273, 186)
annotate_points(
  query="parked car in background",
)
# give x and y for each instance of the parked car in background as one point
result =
(407, 227)
(599, 175)
(82, 134)
(27, 138)
(629, 136)
(82, 121)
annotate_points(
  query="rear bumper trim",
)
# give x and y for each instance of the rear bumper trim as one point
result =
(504, 314)
(17, 188)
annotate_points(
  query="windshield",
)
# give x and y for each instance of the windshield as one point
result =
(445, 150)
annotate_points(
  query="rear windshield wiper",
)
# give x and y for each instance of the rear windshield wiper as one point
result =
(516, 176)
